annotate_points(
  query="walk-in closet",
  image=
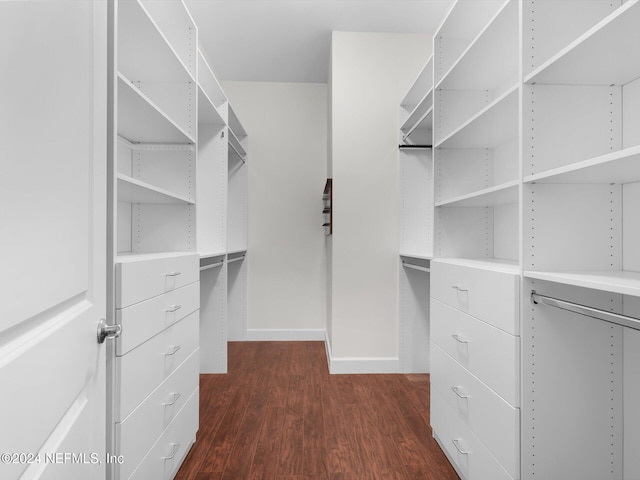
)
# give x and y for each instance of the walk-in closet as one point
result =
(320, 239)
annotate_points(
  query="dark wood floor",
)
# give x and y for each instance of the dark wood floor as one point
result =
(279, 415)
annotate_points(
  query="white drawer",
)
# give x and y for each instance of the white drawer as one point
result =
(137, 434)
(488, 352)
(141, 277)
(476, 463)
(147, 366)
(492, 420)
(491, 296)
(167, 454)
(145, 319)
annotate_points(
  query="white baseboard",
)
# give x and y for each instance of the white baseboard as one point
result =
(359, 365)
(285, 335)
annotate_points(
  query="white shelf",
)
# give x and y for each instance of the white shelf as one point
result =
(234, 252)
(623, 282)
(419, 87)
(211, 254)
(207, 111)
(418, 256)
(489, 197)
(607, 54)
(144, 54)
(131, 190)
(492, 57)
(492, 126)
(141, 121)
(132, 257)
(494, 264)
(421, 117)
(236, 144)
(622, 166)
(235, 125)
(234, 153)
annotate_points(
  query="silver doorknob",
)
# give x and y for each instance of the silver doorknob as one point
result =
(107, 331)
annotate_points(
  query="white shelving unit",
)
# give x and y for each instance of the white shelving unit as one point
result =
(156, 284)
(416, 229)
(536, 175)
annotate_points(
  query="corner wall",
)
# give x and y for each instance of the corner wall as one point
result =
(369, 75)
(287, 152)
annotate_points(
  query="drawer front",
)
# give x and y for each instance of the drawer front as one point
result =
(167, 454)
(137, 434)
(470, 456)
(144, 368)
(492, 420)
(141, 280)
(491, 296)
(145, 319)
(489, 353)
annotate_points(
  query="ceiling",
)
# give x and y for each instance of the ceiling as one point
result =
(289, 40)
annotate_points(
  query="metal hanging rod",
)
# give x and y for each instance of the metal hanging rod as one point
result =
(211, 265)
(235, 259)
(416, 267)
(596, 313)
(415, 147)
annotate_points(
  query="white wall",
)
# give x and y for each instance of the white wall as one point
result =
(287, 145)
(370, 73)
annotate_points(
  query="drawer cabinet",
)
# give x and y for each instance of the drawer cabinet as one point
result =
(494, 421)
(491, 296)
(156, 367)
(475, 366)
(464, 449)
(138, 278)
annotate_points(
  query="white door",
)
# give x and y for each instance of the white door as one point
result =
(53, 75)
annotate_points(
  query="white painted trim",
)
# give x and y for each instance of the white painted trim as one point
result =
(359, 365)
(285, 335)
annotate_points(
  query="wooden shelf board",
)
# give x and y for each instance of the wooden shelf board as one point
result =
(207, 112)
(493, 264)
(489, 197)
(492, 126)
(620, 281)
(622, 166)
(144, 54)
(607, 54)
(131, 190)
(495, 48)
(141, 121)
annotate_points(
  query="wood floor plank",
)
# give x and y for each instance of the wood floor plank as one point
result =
(279, 415)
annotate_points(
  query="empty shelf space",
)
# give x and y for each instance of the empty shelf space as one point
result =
(141, 121)
(236, 144)
(494, 125)
(207, 111)
(620, 281)
(131, 190)
(423, 123)
(488, 197)
(420, 87)
(233, 153)
(235, 125)
(607, 54)
(418, 256)
(495, 49)
(619, 167)
(144, 54)
(419, 112)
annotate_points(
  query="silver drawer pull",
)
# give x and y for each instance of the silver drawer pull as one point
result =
(176, 396)
(458, 338)
(174, 350)
(456, 443)
(172, 274)
(173, 308)
(460, 289)
(456, 390)
(176, 447)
